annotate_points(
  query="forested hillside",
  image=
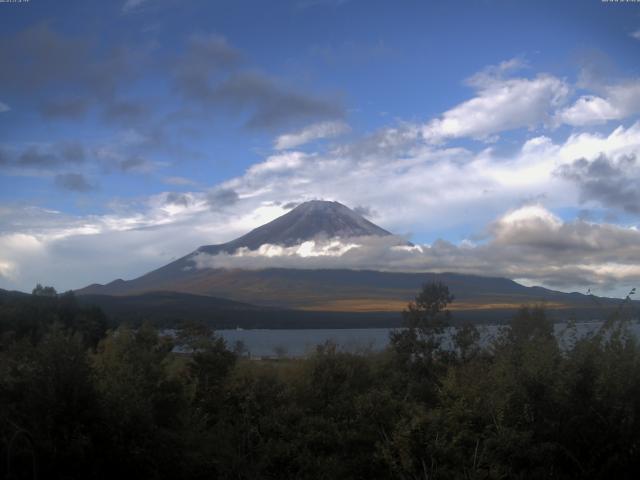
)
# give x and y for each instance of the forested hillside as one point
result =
(80, 399)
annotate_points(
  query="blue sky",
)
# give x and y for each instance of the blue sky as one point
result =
(134, 131)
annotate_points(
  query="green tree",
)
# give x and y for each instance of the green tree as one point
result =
(465, 341)
(143, 405)
(49, 407)
(41, 291)
(417, 347)
(530, 324)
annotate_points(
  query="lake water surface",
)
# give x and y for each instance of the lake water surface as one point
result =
(296, 343)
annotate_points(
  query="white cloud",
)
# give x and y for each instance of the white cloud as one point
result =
(500, 104)
(309, 249)
(591, 145)
(17, 249)
(636, 34)
(504, 103)
(617, 102)
(312, 132)
(588, 110)
(4, 107)
(278, 163)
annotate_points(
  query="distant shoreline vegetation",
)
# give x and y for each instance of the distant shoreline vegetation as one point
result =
(81, 397)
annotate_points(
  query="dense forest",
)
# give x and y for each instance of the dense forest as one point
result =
(83, 398)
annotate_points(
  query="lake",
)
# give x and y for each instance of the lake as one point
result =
(296, 343)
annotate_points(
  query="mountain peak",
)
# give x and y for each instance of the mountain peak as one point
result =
(307, 221)
(320, 205)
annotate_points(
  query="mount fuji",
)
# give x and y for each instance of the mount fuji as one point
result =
(327, 289)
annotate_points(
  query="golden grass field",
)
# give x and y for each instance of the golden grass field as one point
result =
(390, 305)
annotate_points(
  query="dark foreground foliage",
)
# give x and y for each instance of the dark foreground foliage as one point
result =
(78, 401)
